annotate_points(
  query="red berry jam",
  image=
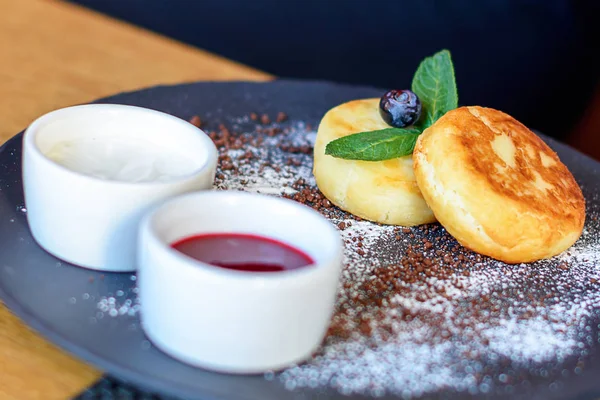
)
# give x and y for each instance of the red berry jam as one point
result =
(243, 252)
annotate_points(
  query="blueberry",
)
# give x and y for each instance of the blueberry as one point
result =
(400, 108)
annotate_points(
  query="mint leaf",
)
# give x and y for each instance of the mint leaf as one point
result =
(383, 144)
(435, 85)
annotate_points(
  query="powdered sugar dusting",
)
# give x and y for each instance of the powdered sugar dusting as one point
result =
(417, 313)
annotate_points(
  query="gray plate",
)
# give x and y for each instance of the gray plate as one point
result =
(60, 300)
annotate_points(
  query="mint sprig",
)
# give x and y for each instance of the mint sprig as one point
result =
(377, 145)
(435, 85)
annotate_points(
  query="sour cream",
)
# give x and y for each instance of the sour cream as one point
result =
(122, 158)
(91, 172)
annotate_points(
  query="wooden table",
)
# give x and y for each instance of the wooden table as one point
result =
(54, 54)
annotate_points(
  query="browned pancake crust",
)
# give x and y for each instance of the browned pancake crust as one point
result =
(522, 201)
(563, 199)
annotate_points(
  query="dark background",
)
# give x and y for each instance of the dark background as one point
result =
(535, 59)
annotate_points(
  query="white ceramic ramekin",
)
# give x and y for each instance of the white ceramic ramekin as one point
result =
(93, 222)
(236, 321)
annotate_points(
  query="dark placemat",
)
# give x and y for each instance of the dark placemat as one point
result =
(109, 388)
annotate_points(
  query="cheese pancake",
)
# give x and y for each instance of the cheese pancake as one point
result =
(380, 191)
(497, 187)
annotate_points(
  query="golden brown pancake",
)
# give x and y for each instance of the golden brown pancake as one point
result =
(380, 191)
(497, 187)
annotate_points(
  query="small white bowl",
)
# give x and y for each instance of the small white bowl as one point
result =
(236, 321)
(92, 221)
